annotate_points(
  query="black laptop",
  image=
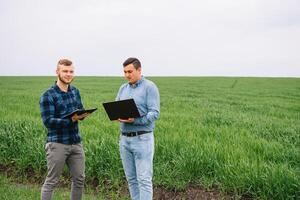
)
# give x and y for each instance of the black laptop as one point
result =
(122, 109)
(79, 112)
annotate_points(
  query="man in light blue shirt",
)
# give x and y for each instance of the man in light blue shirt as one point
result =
(137, 140)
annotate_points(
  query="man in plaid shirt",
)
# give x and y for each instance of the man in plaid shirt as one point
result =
(63, 139)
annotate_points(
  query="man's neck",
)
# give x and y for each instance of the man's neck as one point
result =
(136, 81)
(62, 86)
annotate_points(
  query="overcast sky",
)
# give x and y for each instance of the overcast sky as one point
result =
(170, 37)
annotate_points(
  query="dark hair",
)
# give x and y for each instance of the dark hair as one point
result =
(64, 62)
(136, 63)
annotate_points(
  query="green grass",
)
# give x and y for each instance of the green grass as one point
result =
(239, 134)
(10, 190)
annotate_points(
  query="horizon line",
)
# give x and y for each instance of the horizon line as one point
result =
(220, 76)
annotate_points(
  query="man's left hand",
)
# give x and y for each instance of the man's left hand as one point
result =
(76, 117)
(129, 120)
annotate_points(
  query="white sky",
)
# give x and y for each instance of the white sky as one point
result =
(170, 37)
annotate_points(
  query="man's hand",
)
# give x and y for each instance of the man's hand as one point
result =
(129, 120)
(76, 117)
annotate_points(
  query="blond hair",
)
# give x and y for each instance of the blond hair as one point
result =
(64, 62)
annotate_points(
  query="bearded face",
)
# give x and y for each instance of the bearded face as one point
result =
(65, 74)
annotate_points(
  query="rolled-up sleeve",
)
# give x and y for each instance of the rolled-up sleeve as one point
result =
(48, 114)
(153, 105)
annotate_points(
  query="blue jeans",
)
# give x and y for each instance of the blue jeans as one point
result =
(137, 158)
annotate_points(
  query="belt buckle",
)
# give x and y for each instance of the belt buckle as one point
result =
(133, 134)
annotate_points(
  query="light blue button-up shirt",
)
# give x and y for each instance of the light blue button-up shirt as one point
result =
(146, 96)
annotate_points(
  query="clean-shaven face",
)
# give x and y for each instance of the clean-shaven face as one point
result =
(132, 74)
(65, 73)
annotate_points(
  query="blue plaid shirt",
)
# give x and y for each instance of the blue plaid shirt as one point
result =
(54, 104)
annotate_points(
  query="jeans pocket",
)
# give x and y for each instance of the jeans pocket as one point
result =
(52, 146)
(47, 146)
(145, 137)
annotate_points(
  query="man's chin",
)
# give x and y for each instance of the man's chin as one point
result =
(66, 81)
(131, 81)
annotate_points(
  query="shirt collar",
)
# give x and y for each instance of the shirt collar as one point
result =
(57, 89)
(138, 82)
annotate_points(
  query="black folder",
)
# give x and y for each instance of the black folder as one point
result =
(79, 112)
(122, 109)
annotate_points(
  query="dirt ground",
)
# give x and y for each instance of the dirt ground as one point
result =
(192, 192)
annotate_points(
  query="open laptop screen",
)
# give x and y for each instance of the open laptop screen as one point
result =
(122, 109)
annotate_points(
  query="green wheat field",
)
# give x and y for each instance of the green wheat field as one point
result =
(240, 135)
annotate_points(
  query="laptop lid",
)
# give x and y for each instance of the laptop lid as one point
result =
(122, 109)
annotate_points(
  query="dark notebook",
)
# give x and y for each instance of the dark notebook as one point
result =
(122, 109)
(79, 112)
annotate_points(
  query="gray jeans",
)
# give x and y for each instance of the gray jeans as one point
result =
(57, 155)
